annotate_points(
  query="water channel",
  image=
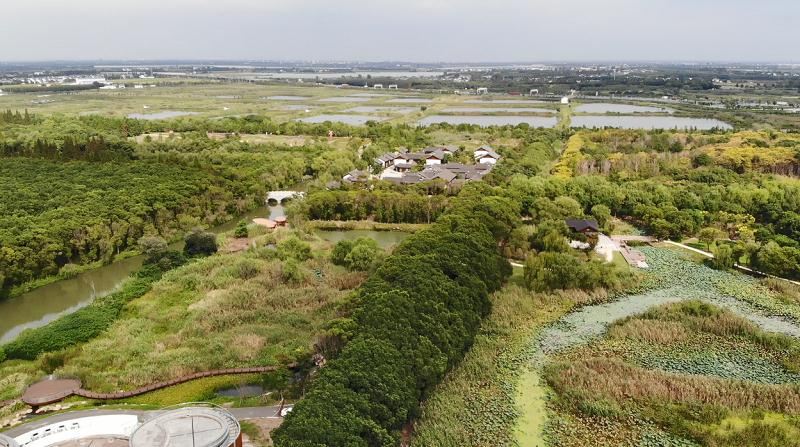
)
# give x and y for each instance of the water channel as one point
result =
(44, 304)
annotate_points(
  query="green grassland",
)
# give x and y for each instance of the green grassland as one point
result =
(216, 99)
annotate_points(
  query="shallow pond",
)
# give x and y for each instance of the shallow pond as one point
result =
(379, 109)
(601, 107)
(385, 239)
(241, 392)
(355, 120)
(167, 114)
(496, 110)
(505, 101)
(648, 122)
(344, 99)
(535, 121)
(44, 304)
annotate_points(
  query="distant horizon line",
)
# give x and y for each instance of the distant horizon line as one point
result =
(251, 61)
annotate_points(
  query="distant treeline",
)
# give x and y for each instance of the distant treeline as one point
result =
(92, 149)
(53, 88)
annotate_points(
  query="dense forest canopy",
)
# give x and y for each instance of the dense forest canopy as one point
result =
(58, 213)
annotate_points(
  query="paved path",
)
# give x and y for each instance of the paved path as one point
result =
(606, 247)
(240, 413)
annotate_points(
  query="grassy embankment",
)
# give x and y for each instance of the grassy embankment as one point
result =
(225, 311)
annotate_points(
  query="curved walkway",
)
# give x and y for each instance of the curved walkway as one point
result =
(35, 401)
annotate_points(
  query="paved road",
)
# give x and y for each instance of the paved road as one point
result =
(240, 413)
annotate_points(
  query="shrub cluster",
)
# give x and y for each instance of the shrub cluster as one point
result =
(547, 271)
(411, 321)
(361, 254)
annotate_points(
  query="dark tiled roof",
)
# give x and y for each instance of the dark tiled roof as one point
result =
(490, 153)
(356, 176)
(581, 225)
(438, 173)
(387, 157)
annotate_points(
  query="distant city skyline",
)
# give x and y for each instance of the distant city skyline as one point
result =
(403, 30)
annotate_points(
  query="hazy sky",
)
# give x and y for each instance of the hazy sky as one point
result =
(409, 30)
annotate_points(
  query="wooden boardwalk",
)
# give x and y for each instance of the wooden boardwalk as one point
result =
(35, 399)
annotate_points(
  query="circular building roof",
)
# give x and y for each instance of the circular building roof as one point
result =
(49, 391)
(188, 427)
(5, 441)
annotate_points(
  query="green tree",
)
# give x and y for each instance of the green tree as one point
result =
(364, 255)
(200, 243)
(708, 236)
(152, 247)
(602, 214)
(340, 252)
(723, 257)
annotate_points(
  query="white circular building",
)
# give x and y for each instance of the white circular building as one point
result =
(189, 427)
(6, 441)
(198, 425)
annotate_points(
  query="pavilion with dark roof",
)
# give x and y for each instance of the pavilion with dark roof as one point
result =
(585, 226)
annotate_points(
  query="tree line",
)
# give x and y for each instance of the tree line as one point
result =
(381, 206)
(54, 214)
(412, 320)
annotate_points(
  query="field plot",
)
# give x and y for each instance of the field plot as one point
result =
(498, 120)
(381, 109)
(597, 107)
(355, 120)
(344, 99)
(647, 122)
(505, 101)
(411, 100)
(496, 110)
(207, 99)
